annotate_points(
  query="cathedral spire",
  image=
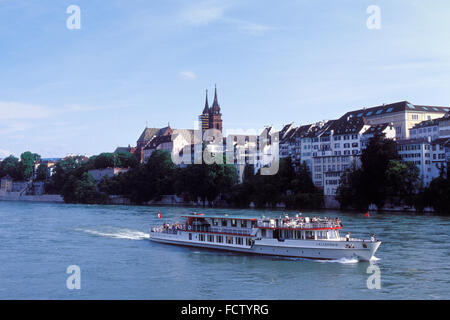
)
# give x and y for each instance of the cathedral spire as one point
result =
(215, 106)
(206, 110)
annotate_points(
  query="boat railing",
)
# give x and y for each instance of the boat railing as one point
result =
(301, 225)
(219, 230)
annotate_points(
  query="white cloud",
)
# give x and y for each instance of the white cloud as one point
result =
(17, 110)
(188, 75)
(210, 11)
(203, 14)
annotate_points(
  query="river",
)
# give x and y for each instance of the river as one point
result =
(109, 244)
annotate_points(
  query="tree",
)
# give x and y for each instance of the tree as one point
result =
(42, 172)
(82, 190)
(359, 187)
(11, 166)
(27, 160)
(402, 182)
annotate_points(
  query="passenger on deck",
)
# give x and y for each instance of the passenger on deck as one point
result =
(347, 237)
(372, 237)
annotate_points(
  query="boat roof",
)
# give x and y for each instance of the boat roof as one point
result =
(200, 215)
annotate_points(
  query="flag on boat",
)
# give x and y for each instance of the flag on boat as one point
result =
(159, 214)
(367, 214)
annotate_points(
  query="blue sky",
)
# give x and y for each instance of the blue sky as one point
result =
(135, 62)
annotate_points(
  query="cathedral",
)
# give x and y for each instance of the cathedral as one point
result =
(211, 118)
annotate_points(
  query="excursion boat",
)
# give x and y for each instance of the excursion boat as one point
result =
(298, 237)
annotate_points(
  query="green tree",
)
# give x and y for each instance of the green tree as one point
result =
(11, 166)
(42, 172)
(362, 186)
(27, 160)
(402, 182)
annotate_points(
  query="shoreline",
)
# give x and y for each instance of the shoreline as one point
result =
(51, 198)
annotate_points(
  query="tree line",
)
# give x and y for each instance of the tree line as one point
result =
(383, 178)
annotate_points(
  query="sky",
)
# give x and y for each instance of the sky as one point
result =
(134, 63)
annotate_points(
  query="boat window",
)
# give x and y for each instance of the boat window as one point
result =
(239, 241)
(233, 222)
(224, 222)
(215, 222)
(219, 239)
(321, 234)
(201, 237)
(243, 223)
(309, 235)
(190, 236)
(230, 240)
(247, 242)
(210, 238)
(254, 223)
(263, 233)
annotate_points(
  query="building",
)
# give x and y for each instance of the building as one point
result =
(6, 184)
(211, 118)
(444, 126)
(98, 174)
(419, 152)
(425, 129)
(403, 115)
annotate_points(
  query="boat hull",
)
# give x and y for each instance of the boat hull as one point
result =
(308, 249)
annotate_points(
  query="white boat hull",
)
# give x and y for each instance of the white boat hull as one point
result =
(309, 249)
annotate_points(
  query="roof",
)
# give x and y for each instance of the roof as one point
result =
(199, 215)
(155, 142)
(377, 128)
(413, 141)
(347, 125)
(442, 141)
(427, 123)
(149, 133)
(396, 107)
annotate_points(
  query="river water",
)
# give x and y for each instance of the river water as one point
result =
(39, 241)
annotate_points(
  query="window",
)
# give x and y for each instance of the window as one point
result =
(230, 240)
(190, 236)
(243, 223)
(389, 110)
(239, 241)
(210, 238)
(215, 222)
(224, 222)
(219, 239)
(201, 237)
(263, 233)
(233, 222)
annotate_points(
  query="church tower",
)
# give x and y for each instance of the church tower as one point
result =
(203, 119)
(215, 117)
(211, 118)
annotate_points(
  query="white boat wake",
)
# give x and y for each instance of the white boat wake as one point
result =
(341, 260)
(118, 233)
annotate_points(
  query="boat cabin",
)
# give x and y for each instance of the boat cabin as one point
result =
(292, 228)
